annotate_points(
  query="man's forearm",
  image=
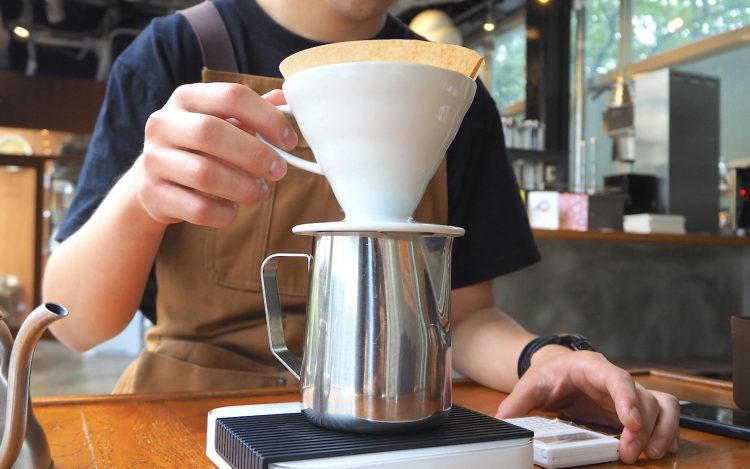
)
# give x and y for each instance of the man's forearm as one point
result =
(486, 346)
(99, 273)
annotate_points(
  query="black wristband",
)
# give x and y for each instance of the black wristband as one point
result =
(572, 341)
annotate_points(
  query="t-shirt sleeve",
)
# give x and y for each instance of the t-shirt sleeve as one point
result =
(116, 143)
(140, 82)
(484, 199)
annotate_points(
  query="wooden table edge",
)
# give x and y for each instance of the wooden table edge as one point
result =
(684, 377)
(292, 392)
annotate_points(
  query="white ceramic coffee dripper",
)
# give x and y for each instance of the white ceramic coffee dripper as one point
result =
(378, 130)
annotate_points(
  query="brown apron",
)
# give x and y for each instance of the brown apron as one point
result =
(211, 330)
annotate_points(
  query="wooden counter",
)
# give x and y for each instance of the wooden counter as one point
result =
(169, 430)
(698, 239)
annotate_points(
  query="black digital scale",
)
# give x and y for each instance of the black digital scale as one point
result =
(278, 436)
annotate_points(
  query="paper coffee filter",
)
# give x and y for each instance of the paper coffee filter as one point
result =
(449, 56)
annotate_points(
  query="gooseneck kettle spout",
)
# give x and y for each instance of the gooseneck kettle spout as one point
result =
(23, 443)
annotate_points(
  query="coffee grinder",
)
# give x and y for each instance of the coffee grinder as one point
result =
(375, 374)
(641, 190)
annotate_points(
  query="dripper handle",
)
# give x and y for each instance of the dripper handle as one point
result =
(288, 157)
(269, 271)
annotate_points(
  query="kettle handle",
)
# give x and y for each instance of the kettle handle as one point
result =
(269, 270)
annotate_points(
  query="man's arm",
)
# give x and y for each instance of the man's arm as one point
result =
(583, 384)
(99, 273)
(201, 159)
(486, 341)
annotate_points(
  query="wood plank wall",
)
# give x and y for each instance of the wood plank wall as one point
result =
(49, 102)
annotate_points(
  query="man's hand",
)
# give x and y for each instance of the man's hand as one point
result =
(582, 384)
(585, 386)
(201, 156)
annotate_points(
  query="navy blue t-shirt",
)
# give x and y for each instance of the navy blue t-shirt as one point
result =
(483, 195)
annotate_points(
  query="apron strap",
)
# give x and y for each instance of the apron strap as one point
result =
(212, 35)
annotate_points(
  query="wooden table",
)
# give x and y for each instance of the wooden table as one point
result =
(169, 430)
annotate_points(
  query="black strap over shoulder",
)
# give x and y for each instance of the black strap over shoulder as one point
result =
(213, 37)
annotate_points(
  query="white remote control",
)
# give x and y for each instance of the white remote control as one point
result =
(559, 444)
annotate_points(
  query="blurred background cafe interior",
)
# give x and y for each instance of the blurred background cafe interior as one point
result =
(625, 123)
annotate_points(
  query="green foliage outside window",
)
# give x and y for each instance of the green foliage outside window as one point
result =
(658, 26)
(509, 67)
(661, 25)
(602, 36)
(506, 59)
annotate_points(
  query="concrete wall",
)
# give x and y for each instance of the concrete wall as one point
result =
(641, 301)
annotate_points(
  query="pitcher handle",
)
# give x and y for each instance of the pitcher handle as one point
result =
(274, 321)
(288, 157)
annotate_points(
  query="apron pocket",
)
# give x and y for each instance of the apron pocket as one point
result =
(234, 253)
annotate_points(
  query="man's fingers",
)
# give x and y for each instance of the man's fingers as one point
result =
(214, 136)
(650, 419)
(275, 97)
(622, 388)
(232, 100)
(169, 203)
(205, 174)
(633, 442)
(665, 435)
(630, 447)
(616, 383)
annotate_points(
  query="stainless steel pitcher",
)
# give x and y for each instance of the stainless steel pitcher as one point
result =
(377, 350)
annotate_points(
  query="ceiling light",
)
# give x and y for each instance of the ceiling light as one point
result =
(21, 32)
(489, 21)
(436, 26)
